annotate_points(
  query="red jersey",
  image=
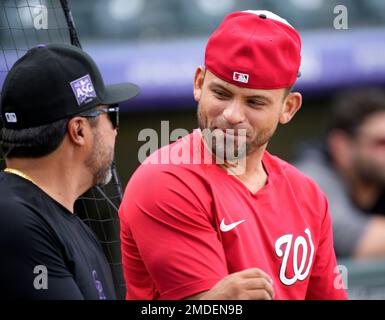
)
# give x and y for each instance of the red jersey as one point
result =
(184, 227)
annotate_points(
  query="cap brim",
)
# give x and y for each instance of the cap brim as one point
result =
(117, 93)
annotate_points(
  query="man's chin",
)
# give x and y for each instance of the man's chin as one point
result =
(229, 153)
(107, 177)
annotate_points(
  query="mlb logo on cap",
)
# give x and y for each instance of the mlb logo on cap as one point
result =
(83, 89)
(11, 117)
(241, 77)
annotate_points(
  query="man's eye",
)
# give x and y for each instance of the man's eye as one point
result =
(255, 103)
(220, 94)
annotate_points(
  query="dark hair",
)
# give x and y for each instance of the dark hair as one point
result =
(352, 107)
(35, 142)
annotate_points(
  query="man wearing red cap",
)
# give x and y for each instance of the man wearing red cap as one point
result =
(207, 230)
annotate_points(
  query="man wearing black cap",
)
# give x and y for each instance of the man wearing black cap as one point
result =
(60, 124)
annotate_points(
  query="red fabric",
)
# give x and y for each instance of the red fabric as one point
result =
(266, 50)
(172, 244)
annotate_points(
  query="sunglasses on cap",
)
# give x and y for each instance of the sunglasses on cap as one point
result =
(112, 112)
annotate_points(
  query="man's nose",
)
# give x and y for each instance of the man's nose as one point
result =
(234, 112)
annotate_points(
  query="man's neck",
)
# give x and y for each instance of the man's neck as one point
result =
(54, 177)
(254, 175)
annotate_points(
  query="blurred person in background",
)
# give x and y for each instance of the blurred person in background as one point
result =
(350, 168)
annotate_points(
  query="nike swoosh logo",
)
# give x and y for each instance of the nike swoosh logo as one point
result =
(227, 227)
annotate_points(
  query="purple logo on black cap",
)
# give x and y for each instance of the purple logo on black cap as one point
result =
(83, 89)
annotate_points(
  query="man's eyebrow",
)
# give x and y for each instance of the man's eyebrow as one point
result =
(216, 85)
(219, 86)
(259, 97)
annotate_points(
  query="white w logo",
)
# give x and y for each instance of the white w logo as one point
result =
(299, 273)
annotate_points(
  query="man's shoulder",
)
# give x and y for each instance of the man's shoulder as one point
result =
(21, 204)
(302, 189)
(12, 201)
(165, 178)
(19, 225)
(303, 184)
(170, 181)
(178, 159)
(287, 169)
(12, 213)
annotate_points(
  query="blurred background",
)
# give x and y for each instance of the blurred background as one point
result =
(157, 44)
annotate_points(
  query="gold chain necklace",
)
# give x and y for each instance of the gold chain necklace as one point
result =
(20, 174)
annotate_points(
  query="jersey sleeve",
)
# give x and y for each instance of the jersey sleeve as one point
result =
(325, 280)
(169, 244)
(29, 247)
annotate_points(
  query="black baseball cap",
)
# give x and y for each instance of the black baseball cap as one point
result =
(53, 82)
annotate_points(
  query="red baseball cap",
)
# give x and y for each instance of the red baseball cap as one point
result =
(255, 49)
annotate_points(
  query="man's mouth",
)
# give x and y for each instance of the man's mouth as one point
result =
(232, 133)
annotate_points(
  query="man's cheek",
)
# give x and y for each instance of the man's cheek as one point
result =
(214, 113)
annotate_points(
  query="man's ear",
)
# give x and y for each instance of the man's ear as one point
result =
(291, 105)
(340, 147)
(77, 129)
(198, 82)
